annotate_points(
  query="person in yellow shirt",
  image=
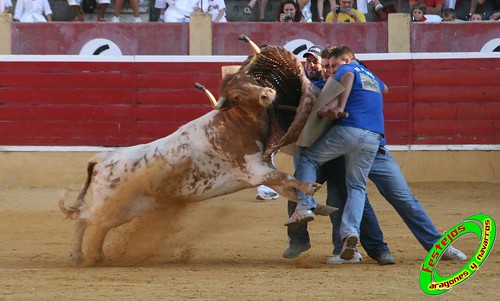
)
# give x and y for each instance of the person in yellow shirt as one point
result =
(345, 13)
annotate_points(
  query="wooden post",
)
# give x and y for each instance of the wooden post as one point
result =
(5, 35)
(200, 34)
(399, 33)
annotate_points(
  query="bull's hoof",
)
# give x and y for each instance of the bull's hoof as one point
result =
(77, 258)
(311, 188)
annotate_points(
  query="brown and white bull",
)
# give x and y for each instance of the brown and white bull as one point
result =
(216, 154)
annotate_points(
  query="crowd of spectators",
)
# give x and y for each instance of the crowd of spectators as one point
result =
(289, 10)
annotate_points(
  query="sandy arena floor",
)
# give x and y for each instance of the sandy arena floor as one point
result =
(229, 248)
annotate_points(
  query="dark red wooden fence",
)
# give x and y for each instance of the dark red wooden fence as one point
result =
(60, 101)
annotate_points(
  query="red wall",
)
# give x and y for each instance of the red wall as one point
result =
(153, 38)
(430, 101)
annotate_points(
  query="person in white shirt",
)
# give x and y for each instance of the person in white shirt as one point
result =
(33, 11)
(217, 8)
(179, 10)
(5, 6)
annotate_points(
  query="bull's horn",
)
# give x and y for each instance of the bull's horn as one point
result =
(220, 103)
(213, 102)
(255, 48)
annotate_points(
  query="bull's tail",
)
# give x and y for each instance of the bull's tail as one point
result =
(73, 211)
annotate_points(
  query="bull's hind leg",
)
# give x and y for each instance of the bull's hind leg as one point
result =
(94, 248)
(76, 253)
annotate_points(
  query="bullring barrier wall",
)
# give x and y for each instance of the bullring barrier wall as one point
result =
(202, 37)
(442, 111)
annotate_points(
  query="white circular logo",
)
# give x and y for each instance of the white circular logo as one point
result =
(492, 46)
(101, 47)
(298, 47)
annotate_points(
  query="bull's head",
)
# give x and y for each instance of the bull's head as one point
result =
(241, 90)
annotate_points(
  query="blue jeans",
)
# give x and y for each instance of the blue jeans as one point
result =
(372, 239)
(390, 182)
(359, 148)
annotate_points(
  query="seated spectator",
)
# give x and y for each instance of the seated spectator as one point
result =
(320, 6)
(434, 7)
(450, 15)
(180, 10)
(33, 11)
(134, 4)
(476, 17)
(345, 13)
(418, 12)
(488, 7)
(289, 12)
(262, 8)
(217, 8)
(77, 9)
(5, 6)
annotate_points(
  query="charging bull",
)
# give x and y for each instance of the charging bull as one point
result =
(219, 153)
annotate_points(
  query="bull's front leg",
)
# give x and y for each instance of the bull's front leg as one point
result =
(286, 184)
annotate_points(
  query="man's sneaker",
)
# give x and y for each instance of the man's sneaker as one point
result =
(349, 248)
(454, 254)
(115, 19)
(299, 217)
(324, 210)
(385, 259)
(160, 19)
(267, 195)
(137, 20)
(379, 8)
(294, 251)
(335, 259)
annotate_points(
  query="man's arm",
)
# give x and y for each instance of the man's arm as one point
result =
(335, 108)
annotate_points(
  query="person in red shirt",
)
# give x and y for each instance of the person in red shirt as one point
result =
(418, 11)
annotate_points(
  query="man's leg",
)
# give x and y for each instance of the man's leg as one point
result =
(389, 179)
(362, 148)
(298, 236)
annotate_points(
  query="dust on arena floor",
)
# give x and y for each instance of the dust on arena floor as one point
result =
(229, 248)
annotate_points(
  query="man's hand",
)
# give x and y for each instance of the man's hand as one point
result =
(331, 112)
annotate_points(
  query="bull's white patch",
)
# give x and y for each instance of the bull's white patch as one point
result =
(480, 224)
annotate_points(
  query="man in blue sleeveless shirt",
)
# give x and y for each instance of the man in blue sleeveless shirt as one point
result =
(357, 138)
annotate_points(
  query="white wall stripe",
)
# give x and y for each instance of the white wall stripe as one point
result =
(234, 58)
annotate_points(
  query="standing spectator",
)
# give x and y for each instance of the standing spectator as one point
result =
(345, 13)
(289, 12)
(77, 10)
(418, 12)
(305, 8)
(134, 4)
(33, 11)
(217, 8)
(262, 8)
(5, 6)
(320, 5)
(161, 5)
(179, 10)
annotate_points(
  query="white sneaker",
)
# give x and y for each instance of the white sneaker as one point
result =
(115, 19)
(137, 20)
(335, 259)
(454, 254)
(267, 195)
